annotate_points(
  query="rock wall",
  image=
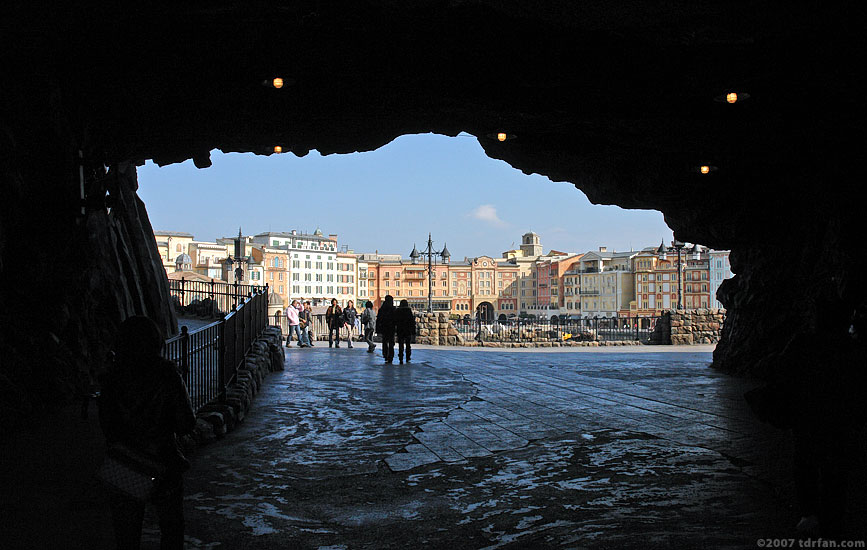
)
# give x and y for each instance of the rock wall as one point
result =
(701, 326)
(436, 329)
(686, 327)
(218, 418)
(67, 278)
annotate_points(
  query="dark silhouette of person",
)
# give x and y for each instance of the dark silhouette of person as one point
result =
(334, 320)
(385, 328)
(144, 405)
(404, 322)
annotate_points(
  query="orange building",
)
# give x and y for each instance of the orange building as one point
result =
(656, 280)
(483, 284)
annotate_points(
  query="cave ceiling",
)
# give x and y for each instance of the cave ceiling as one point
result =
(620, 99)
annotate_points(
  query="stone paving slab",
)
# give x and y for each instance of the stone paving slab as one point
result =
(609, 448)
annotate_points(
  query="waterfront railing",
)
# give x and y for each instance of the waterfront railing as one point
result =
(207, 298)
(209, 357)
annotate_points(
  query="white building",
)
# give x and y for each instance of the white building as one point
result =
(720, 270)
(312, 269)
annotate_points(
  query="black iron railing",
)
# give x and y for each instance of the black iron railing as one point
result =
(209, 357)
(207, 298)
(596, 329)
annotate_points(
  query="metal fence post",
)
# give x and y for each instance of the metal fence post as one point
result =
(185, 353)
(221, 330)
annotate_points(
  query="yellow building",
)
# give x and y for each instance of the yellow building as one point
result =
(170, 245)
(606, 283)
(207, 258)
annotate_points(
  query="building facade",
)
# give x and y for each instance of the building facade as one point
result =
(606, 284)
(720, 270)
(170, 245)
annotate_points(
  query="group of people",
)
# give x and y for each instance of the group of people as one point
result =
(300, 316)
(388, 323)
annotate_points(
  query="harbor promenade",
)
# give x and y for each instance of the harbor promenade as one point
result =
(618, 448)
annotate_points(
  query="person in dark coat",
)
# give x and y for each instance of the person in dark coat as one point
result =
(385, 328)
(404, 322)
(144, 405)
(349, 316)
(334, 320)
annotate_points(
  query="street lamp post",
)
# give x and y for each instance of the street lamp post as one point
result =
(678, 246)
(239, 259)
(431, 255)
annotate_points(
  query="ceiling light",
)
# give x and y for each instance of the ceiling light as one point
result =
(501, 136)
(705, 169)
(278, 149)
(732, 97)
(277, 83)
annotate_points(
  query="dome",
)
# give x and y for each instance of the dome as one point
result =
(275, 299)
(184, 259)
(318, 232)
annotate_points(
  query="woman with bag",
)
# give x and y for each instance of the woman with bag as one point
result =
(143, 407)
(350, 316)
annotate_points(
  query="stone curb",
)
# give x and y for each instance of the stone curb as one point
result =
(216, 419)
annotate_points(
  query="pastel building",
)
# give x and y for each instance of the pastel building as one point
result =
(207, 258)
(170, 245)
(720, 270)
(484, 284)
(346, 278)
(606, 284)
(657, 282)
(696, 277)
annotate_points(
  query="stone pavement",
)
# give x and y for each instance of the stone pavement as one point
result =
(614, 448)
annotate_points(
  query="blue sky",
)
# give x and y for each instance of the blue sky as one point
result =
(390, 198)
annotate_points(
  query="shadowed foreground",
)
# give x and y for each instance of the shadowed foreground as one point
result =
(478, 449)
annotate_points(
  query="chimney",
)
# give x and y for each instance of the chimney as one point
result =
(603, 249)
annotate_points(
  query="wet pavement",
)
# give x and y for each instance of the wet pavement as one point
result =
(617, 448)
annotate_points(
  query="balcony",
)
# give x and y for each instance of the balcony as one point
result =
(589, 292)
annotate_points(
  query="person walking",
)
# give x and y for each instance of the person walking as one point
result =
(350, 315)
(334, 320)
(294, 325)
(385, 328)
(404, 323)
(144, 406)
(305, 318)
(368, 323)
(308, 315)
